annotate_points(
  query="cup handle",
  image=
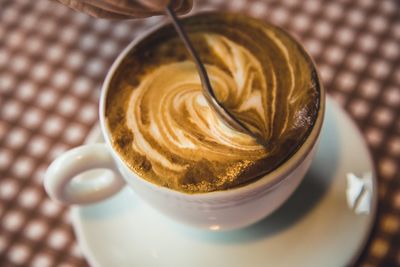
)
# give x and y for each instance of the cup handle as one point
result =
(59, 179)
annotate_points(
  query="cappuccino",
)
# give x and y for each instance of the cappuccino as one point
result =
(163, 128)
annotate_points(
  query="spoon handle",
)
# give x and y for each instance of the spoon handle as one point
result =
(188, 44)
(209, 94)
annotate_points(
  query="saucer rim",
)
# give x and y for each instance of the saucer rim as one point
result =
(95, 133)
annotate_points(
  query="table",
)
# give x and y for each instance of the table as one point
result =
(53, 62)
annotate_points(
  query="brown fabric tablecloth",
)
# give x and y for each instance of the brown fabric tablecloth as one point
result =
(52, 64)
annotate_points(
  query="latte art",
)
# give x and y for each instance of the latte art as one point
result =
(165, 130)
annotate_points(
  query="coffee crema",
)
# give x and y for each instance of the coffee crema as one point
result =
(163, 128)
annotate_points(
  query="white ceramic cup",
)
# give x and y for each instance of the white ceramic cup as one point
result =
(220, 210)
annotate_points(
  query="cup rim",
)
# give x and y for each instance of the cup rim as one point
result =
(269, 180)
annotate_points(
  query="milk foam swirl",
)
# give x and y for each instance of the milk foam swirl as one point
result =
(179, 120)
(177, 139)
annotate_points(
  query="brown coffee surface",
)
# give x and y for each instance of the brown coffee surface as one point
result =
(163, 128)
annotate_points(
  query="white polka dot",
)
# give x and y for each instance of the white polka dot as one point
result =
(394, 146)
(38, 145)
(60, 10)
(392, 96)
(11, 109)
(69, 35)
(9, 15)
(258, 9)
(39, 174)
(356, 17)
(334, 54)
(34, 44)
(378, 24)
(75, 59)
(359, 108)
(50, 208)
(15, 39)
(76, 251)
(80, 18)
(19, 254)
(388, 6)
(333, 10)
(369, 88)
(67, 218)
(58, 239)
(7, 82)
(19, 64)
(26, 90)
(41, 260)
(82, 86)
(29, 21)
(8, 188)
(280, 15)
(301, 22)
(387, 167)
(367, 42)
(57, 150)
(5, 158)
(357, 61)
(88, 41)
(366, 3)
(12, 220)
(346, 81)
(383, 116)
(313, 46)
(326, 73)
(47, 26)
(390, 49)
(311, 6)
(32, 118)
(74, 133)
(35, 230)
(374, 136)
(237, 5)
(101, 25)
(121, 31)
(61, 79)
(345, 36)
(41, 71)
(53, 125)
(291, 3)
(23, 167)
(16, 138)
(67, 105)
(108, 48)
(88, 113)
(29, 197)
(55, 53)
(42, 7)
(380, 69)
(339, 97)
(46, 98)
(95, 94)
(95, 67)
(322, 29)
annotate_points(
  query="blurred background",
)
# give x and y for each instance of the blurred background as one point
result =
(52, 64)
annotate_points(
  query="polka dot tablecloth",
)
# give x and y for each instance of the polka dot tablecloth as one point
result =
(52, 64)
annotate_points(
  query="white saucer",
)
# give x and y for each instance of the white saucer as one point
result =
(314, 228)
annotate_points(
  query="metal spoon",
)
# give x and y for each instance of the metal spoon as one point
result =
(208, 92)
